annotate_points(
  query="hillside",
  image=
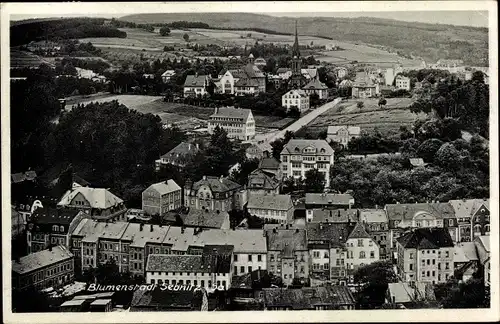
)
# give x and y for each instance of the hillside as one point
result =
(429, 41)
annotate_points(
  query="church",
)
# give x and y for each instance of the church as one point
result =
(297, 79)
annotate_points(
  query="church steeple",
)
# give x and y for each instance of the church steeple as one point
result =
(295, 48)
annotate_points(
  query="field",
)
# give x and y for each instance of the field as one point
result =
(22, 59)
(387, 120)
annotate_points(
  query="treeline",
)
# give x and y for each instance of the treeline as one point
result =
(175, 24)
(98, 66)
(62, 29)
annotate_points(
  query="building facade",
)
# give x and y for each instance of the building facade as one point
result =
(238, 123)
(316, 87)
(179, 155)
(295, 98)
(214, 193)
(271, 207)
(403, 83)
(343, 134)
(195, 85)
(161, 197)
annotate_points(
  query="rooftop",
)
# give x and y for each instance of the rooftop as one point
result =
(195, 81)
(334, 215)
(99, 198)
(373, 216)
(408, 211)
(286, 240)
(149, 234)
(100, 302)
(315, 84)
(58, 216)
(351, 130)
(426, 238)
(298, 146)
(335, 234)
(92, 230)
(466, 208)
(182, 150)
(308, 298)
(259, 179)
(41, 259)
(163, 299)
(269, 163)
(465, 252)
(216, 184)
(328, 199)
(359, 231)
(205, 218)
(232, 113)
(164, 187)
(270, 201)
(403, 292)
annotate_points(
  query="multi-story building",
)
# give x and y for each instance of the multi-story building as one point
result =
(302, 155)
(179, 155)
(361, 250)
(343, 134)
(242, 81)
(52, 267)
(288, 255)
(167, 75)
(328, 215)
(270, 165)
(195, 85)
(403, 83)
(316, 87)
(295, 98)
(211, 269)
(51, 226)
(473, 217)
(420, 215)
(238, 123)
(214, 193)
(364, 87)
(425, 255)
(98, 203)
(483, 251)
(271, 207)
(261, 182)
(161, 197)
(297, 80)
(377, 225)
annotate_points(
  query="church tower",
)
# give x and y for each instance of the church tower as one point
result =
(296, 80)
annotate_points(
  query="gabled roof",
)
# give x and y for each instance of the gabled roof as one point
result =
(168, 73)
(164, 187)
(426, 238)
(270, 201)
(182, 150)
(259, 179)
(352, 130)
(334, 215)
(59, 216)
(253, 71)
(328, 199)
(139, 237)
(299, 92)
(312, 73)
(408, 211)
(286, 240)
(195, 81)
(41, 259)
(216, 184)
(335, 234)
(232, 113)
(269, 163)
(403, 292)
(99, 198)
(296, 146)
(417, 162)
(465, 252)
(346, 83)
(359, 232)
(466, 208)
(315, 84)
(205, 218)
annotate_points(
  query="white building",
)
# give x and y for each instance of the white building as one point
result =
(301, 155)
(343, 134)
(161, 197)
(195, 85)
(296, 98)
(341, 72)
(361, 249)
(238, 123)
(317, 87)
(271, 207)
(403, 82)
(284, 73)
(167, 75)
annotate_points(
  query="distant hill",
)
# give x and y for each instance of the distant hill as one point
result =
(430, 41)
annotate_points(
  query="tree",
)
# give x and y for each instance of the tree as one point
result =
(247, 166)
(360, 105)
(277, 146)
(448, 157)
(219, 154)
(108, 273)
(186, 37)
(294, 112)
(382, 102)
(427, 150)
(323, 134)
(314, 181)
(478, 76)
(374, 280)
(469, 294)
(164, 31)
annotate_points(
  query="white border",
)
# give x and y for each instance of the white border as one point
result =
(120, 9)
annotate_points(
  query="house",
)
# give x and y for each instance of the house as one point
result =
(238, 123)
(362, 250)
(346, 83)
(245, 80)
(288, 255)
(205, 218)
(270, 165)
(53, 267)
(214, 193)
(295, 98)
(148, 76)
(420, 215)
(341, 72)
(99, 203)
(411, 295)
(50, 226)
(260, 63)
(483, 251)
(465, 260)
(328, 201)
(316, 87)
(403, 82)
(84, 73)
(161, 197)
(328, 252)
(377, 225)
(167, 75)
(179, 155)
(213, 269)
(284, 73)
(343, 134)
(300, 155)
(330, 47)
(316, 298)
(245, 288)
(473, 217)
(273, 206)
(425, 255)
(261, 182)
(329, 215)
(74, 305)
(195, 85)
(161, 299)
(364, 87)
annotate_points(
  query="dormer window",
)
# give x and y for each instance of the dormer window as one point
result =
(297, 149)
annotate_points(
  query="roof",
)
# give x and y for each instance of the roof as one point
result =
(168, 73)
(465, 252)
(187, 263)
(205, 218)
(408, 211)
(269, 163)
(363, 80)
(41, 259)
(308, 298)
(401, 77)
(352, 130)
(247, 280)
(346, 83)
(91, 230)
(485, 241)
(335, 234)
(259, 179)
(315, 84)
(359, 231)
(417, 162)
(270, 201)
(286, 240)
(283, 70)
(426, 238)
(373, 216)
(296, 146)
(334, 215)
(299, 92)
(164, 187)
(99, 198)
(195, 81)
(328, 199)
(466, 208)
(181, 150)
(232, 113)
(246, 82)
(58, 216)
(73, 302)
(311, 72)
(253, 71)
(404, 293)
(216, 184)
(100, 302)
(139, 238)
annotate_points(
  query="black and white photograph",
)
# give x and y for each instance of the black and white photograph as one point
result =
(250, 159)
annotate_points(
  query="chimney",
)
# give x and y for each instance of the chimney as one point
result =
(296, 230)
(151, 228)
(182, 230)
(216, 110)
(141, 226)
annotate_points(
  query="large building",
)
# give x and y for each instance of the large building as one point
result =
(261, 182)
(316, 87)
(238, 123)
(328, 200)
(377, 225)
(195, 85)
(98, 203)
(161, 197)
(297, 80)
(179, 155)
(242, 81)
(403, 83)
(343, 134)
(301, 155)
(271, 207)
(362, 250)
(473, 217)
(425, 255)
(214, 193)
(52, 267)
(364, 87)
(483, 251)
(295, 98)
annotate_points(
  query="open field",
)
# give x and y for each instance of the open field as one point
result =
(22, 59)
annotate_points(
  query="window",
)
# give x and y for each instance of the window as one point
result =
(372, 254)
(173, 282)
(439, 266)
(181, 282)
(249, 269)
(259, 258)
(447, 266)
(447, 254)
(411, 266)
(428, 261)
(153, 281)
(235, 270)
(202, 283)
(450, 222)
(242, 269)
(433, 261)
(362, 254)
(188, 282)
(360, 242)
(326, 255)
(370, 243)
(433, 273)
(423, 273)
(249, 258)
(411, 255)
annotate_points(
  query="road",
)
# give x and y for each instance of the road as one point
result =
(266, 138)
